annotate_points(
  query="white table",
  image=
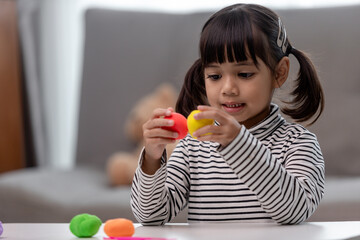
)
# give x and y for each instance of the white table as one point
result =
(199, 231)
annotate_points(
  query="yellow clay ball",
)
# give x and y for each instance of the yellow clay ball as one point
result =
(194, 124)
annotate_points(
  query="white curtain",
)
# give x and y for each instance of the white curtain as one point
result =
(29, 12)
(51, 37)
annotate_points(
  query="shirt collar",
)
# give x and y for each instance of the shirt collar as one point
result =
(269, 124)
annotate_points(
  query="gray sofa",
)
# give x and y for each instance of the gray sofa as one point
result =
(128, 54)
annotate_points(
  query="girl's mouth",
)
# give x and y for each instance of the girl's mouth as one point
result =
(233, 107)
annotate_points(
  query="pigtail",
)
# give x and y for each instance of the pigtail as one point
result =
(308, 96)
(193, 91)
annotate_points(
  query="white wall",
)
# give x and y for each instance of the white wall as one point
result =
(62, 39)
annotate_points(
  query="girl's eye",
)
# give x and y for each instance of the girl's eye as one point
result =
(214, 76)
(245, 75)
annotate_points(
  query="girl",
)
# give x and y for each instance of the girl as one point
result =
(253, 166)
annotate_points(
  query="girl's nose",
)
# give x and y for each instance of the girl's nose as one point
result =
(230, 87)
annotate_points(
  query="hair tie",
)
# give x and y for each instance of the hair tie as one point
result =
(289, 50)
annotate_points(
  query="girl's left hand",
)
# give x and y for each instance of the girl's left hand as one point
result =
(224, 134)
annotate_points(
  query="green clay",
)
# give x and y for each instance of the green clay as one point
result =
(85, 225)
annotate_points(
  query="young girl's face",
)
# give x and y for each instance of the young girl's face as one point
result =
(241, 89)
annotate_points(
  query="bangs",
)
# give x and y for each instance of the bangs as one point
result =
(231, 38)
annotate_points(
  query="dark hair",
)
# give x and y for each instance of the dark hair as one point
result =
(243, 31)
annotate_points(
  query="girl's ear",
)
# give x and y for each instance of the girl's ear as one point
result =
(281, 72)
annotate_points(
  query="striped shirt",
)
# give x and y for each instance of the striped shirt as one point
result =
(271, 172)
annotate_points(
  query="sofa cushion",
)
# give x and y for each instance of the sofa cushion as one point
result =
(42, 195)
(341, 201)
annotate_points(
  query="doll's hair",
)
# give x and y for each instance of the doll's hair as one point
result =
(243, 31)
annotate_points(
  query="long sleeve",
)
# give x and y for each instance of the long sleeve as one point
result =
(290, 185)
(158, 198)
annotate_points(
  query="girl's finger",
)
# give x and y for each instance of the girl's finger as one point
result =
(158, 123)
(212, 138)
(161, 112)
(204, 108)
(159, 133)
(204, 130)
(211, 113)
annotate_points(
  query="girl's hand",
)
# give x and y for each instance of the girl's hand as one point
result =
(225, 133)
(156, 138)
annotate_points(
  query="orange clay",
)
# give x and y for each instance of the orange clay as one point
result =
(119, 227)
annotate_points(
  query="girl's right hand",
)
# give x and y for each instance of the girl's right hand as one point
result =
(156, 138)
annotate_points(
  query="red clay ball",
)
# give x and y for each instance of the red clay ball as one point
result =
(180, 124)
